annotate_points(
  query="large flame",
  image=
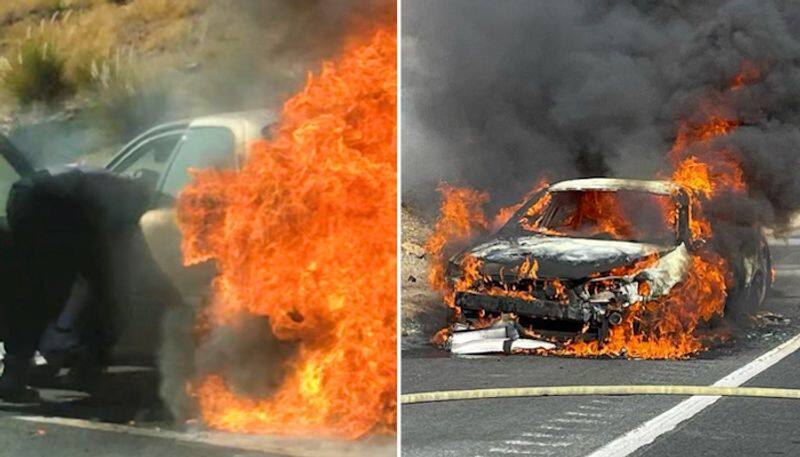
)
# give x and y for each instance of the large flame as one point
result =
(504, 214)
(460, 219)
(306, 234)
(666, 327)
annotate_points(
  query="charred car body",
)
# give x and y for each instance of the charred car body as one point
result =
(581, 252)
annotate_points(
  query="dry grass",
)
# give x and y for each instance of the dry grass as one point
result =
(95, 41)
(15, 10)
(37, 75)
(150, 11)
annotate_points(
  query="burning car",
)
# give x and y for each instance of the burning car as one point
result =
(579, 254)
(164, 156)
(161, 159)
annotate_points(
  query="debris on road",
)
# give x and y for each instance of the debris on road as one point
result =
(768, 318)
(499, 338)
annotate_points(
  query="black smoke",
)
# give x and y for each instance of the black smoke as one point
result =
(499, 94)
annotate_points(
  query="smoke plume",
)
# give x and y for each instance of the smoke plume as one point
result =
(497, 95)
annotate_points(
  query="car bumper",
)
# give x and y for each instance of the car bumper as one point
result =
(536, 308)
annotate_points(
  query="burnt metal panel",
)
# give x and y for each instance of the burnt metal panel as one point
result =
(531, 308)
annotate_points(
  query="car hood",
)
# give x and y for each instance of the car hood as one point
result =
(561, 257)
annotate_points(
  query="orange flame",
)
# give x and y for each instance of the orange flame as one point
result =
(665, 327)
(305, 234)
(714, 127)
(504, 214)
(528, 269)
(748, 74)
(460, 219)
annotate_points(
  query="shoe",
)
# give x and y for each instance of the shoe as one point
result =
(14, 381)
(23, 394)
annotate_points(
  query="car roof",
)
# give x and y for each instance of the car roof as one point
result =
(258, 119)
(152, 131)
(255, 120)
(614, 184)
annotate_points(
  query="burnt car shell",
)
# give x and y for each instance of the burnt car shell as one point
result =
(573, 261)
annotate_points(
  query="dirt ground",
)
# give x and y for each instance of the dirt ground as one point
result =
(422, 310)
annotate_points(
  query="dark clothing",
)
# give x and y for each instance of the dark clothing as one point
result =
(64, 226)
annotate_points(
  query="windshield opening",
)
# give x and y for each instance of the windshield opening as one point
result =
(623, 215)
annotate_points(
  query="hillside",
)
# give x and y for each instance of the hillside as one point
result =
(79, 77)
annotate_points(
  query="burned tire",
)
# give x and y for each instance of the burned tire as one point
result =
(758, 290)
(747, 298)
(761, 282)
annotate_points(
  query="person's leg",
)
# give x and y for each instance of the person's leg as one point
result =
(43, 287)
(44, 254)
(100, 324)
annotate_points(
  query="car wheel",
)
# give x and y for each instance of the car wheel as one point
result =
(765, 278)
(758, 289)
(746, 298)
(761, 281)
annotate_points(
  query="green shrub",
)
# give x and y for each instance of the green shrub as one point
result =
(37, 75)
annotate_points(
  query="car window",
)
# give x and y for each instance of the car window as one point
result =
(152, 155)
(623, 215)
(8, 176)
(201, 147)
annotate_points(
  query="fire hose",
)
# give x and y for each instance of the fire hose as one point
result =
(558, 391)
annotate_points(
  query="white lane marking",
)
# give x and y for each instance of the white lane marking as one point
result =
(787, 273)
(548, 443)
(580, 414)
(591, 408)
(540, 443)
(521, 443)
(575, 420)
(667, 421)
(540, 435)
(310, 447)
(511, 450)
(550, 427)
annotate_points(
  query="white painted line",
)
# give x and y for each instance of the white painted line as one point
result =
(787, 273)
(521, 443)
(667, 421)
(308, 447)
(574, 421)
(550, 427)
(548, 443)
(783, 242)
(514, 451)
(541, 435)
(591, 408)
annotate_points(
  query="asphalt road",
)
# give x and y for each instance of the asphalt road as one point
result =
(578, 426)
(124, 418)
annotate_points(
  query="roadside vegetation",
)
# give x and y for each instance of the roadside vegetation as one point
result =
(53, 49)
(80, 77)
(101, 64)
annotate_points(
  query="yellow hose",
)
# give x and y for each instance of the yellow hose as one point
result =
(451, 395)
